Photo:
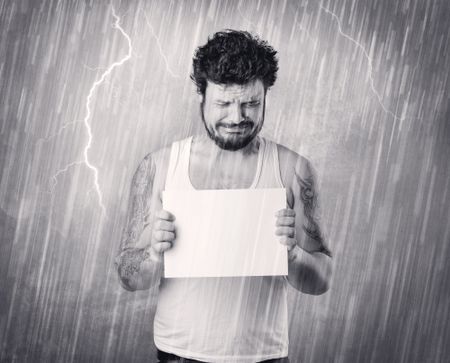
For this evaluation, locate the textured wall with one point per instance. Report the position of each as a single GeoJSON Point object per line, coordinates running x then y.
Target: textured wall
{"type": "Point", "coordinates": [362, 91]}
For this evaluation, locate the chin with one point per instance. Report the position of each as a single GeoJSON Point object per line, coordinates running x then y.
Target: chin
{"type": "Point", "coordinates": [232, 143]}
{"type": "Point", "coordinates": [230, 146]}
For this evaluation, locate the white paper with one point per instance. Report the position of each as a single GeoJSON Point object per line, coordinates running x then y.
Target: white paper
{"type": "Point", "coordinates": [225, 233]}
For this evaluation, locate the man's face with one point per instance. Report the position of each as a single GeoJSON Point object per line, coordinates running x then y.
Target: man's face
{"type": "Point", "coordinates": [233, 114]}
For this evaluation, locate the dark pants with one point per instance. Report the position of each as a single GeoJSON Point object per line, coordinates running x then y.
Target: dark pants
{"type": "Point", "coordinates": [164, 357]}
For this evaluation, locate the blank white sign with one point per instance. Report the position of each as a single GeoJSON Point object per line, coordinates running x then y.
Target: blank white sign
{"type": "Point", "coordinates": [223, 233]}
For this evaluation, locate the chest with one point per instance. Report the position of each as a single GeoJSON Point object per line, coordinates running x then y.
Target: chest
{"type": "Point", "coordinates": [237, 174]}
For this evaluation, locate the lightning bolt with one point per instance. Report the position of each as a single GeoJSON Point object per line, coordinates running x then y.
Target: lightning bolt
{"type": "Point", "coordinates": [93, 68]}
{"type": "Point", "coordinates": [369, 62]}
{"type": "Point", "coordinates": [158, 43]}
{"type": "Point", "coordinates": [62, 171]}
{"type": "Point", "coordinates": [86, 161]}
{"type": "Point", "coordinates": [57, 133]}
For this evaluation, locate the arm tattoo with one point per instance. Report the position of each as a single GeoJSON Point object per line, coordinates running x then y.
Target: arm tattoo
{"type": "Point", "coordinates": [308, 198]}
{"type": "Point", "coordinates": [129, 260]}
{"type": "Point", "coordinates": [129, 263]}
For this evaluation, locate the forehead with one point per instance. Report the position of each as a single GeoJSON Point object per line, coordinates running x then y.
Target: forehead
{"type": "Point", "coordinates": [253, 89]}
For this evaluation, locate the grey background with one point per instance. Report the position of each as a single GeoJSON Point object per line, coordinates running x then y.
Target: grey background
{"type": "Point", "coordinates": [363, 94]}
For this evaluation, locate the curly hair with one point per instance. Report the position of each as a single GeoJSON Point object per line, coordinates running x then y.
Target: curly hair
{"type": "Point", "coordinates": [234, 57]}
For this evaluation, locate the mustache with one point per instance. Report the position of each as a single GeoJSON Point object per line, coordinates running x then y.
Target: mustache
{"type": "Point", "coordinates": [241, 125]}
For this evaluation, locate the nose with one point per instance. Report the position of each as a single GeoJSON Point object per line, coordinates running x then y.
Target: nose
{"type": "Point", "coordinates": [236, 115]}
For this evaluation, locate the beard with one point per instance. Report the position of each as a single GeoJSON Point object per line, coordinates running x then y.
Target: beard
{"type": "Point", "coordinates": [234, 141]}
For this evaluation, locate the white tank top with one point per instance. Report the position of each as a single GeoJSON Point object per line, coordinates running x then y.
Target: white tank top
{"type": "Point", "coordinates": [228, 319]}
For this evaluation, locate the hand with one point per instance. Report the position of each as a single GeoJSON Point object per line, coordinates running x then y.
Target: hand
{"type": "Point", "coordinates": [163, 234]}
{"type": "Point", "coordinates": [285, 224]}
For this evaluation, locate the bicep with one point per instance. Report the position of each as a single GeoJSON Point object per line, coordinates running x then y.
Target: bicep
{"type": "Point", "coordinates": [310, 234]}
{"type": "Point", "coordinates": [139, 204]}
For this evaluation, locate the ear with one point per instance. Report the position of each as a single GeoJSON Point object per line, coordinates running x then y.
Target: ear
{"type": "Point", "coordinates": [200, 97]}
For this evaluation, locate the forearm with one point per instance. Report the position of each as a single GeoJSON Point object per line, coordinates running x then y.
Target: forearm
{"type": "Point", "coordinates": [137, 271]}
{"type": "Point", "coordinates": [309, 272]}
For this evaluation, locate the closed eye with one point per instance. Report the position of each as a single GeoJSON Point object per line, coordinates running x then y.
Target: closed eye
{"type": "Point", "coordinates": [222, 104]}
{"type": "Point", "coordinates": [252, 104]}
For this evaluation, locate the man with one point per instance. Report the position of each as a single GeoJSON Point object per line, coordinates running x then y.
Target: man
{"type": "Point", "coordinates": [234, 319]}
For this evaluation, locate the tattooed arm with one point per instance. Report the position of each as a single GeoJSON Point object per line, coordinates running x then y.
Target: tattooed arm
{"type": "Point", "coordinates": [309, 267]}
{"type": "Point", "coordinates": [307, 200]}
{"type": "Point", "coordinates": [135, 268]}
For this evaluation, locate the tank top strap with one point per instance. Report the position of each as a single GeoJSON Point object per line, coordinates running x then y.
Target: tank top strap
{"type": "Point", "coordinates": [260, 162]}
{"type": "Point", "coordinates": [276, 163]}
{"type": "Point", "coordinates": [185, 154]}
{"type": "Point", "coordinates": [270, 171]}
{"type": "Point", "coordinates": [173, 161]}
{"type": "Point", "coordinates": [178, 169]}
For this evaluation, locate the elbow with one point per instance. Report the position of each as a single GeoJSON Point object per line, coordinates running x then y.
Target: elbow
{"type": "Point", "coordinates": [135, 272]}
{"type": "Point", "coordinates": [314, 280]}
{"type": "Point", "coordinates": [126, 277]}
{"type": "Point", "coordinates": [126, 283]}
{"type": "Point", "coordinates": [124, 280]}
{"type": "Point", "coordinates": [323, 277]}
{"type": "Point", "coordinates": [316, 287]}
{"type": "Point", "coordinates": [320, 287]}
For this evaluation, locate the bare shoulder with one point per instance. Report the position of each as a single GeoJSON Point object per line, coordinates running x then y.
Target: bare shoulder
{"type": "Point", "coordinates": [161, 158]}
{"type": "Point", "coordinates": [157, 160]}
{"type": "Point", "coordinates": [151, 171]}
{"type": "Point", "coordinates": [291, 164]}
{"type": "Point", "coordinates": [146, 168]}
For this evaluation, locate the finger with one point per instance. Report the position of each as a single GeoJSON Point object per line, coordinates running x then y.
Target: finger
{"type": "Point", "coordinates": [285, 231]}
{"type": "Point", "coordinates": [163, 214]}
{"type": "Point", "coordinates": [161, 247]}
{"type": "Point", "coordinates": [287, 212]}
{"type": "Point", "coordinates": [164, 225]}
{"type": "Point", "coordinates": [163, 236]}
{"type": "Point", "coordinates": [285, 221]}
{"type": "Point", "coordinates": [287, 241]}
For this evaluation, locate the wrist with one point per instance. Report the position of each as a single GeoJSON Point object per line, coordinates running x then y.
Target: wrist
{"type": "Point", "coordinates": [294, 253]}
{"type": "Point", "coordinates": [153, 256]}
